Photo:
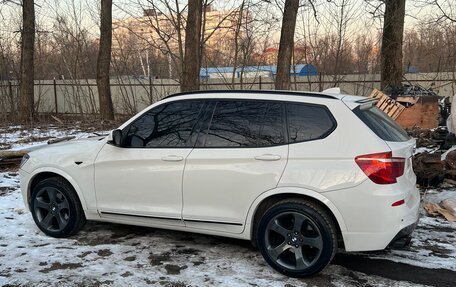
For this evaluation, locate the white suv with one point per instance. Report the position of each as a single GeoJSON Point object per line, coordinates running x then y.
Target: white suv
{"type": "Point", "coordinates": [298, 174]}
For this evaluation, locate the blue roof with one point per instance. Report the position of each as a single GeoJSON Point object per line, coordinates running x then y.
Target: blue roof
{"type": "Point", "coordinates": [412, 70]}
{"type": "Point", "coordinates": [300, 70]}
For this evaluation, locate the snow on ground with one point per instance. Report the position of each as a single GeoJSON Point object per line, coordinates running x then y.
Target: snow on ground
{"type": "Point", "coordinates": [434, 240]}
{"type": "Point", "coordinates": [105, 254]}
{"type": "Point", "coordinates": [17, 137]}
{"type": "Point", "coordinates": [425, 149]}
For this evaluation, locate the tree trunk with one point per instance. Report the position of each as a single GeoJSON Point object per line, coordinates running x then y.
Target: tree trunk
{"type": "Point", "coordinates": [282, 81]}
{"type": "Point", "coordinates": [104, 61]}
{"type": "Point", "coordinates": [391, 51]}
{"type": "Point", "coordinates": [26, 104]}
{"type": "Point", "coordinates": [192, 61]}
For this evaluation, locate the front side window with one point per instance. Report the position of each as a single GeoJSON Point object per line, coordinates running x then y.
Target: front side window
{"type": "Point", "coordinates": [308, 122]}
{"type": "Point", "coordinates": [240, 123]}
{"type": "Point", "coordinates": [166, 126]}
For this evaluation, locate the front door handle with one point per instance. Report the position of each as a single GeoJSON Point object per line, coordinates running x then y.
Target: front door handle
{"type": "Point", "coordinates": [172, 158]}
{"type": "Point", "coordinates": [268, 157]}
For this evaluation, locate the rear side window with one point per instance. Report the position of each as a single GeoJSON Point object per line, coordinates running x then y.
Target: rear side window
{"type": "Point", "coordinates": [246, 124]}
{"type": "Point", "coordinates": [308, 122]}
{"type": "Point", "coordinates": [381, 124]}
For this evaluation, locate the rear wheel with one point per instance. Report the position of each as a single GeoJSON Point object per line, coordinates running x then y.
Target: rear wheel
{"type": "Point", "coordinates": [56, 209]}
{"type": "Point", "coordinates": [297, 238]}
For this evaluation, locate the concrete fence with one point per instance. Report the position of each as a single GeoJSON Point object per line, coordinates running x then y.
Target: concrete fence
{"type": "Point", "coordinates": [131, 95]}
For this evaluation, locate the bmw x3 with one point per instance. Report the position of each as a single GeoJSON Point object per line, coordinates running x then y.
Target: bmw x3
{"type": "Point", "coordinates": [299, 174]}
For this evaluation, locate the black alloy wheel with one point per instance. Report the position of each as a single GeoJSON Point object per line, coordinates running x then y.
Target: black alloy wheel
{"type": "Point", "coordinates": [297, 238]}
{"type": "Point", "coordinates": [56, 208]}
{"type": "Point", "coordinates": [52, 209]}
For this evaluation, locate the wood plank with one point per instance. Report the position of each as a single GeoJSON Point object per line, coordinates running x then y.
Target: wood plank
{"type": "Point", "coordinates": [399, 112]}
{"type": "Point", "coordinates": [391, 107]}
{"type": "Point", "coordinates": [393, 110]}
{"type": "Point", "coordinates": [12, 153]}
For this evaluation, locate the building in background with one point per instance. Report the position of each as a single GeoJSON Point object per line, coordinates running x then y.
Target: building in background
{"type": "Point", "coordinates": [270, 54]}
{"type": "Point", "coordinates": [157, 40]}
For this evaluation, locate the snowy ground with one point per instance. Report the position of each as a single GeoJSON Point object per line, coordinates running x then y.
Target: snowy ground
{"type": "Point", "coordinates": [116, 255]}
{"type": "Point", "coordinates": [17, 137]}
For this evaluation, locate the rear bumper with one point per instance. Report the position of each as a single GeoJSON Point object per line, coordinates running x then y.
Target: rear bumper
{"type": "Point", "coordinates": [403, 237]}
{"type": "Point", "coordinates": [372, 223]}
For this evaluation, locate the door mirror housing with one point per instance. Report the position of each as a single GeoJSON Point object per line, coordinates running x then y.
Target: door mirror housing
{"type": "Point", "coordinates": [117, 138]}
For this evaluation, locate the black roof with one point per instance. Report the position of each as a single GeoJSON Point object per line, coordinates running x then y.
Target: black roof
{"type": "Point", "coordinates": [272, 92]}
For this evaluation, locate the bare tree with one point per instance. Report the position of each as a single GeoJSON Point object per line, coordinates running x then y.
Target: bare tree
{"type": "Point", "coordinates": [27, 109]}
{"type": "Point", "coordinates": [446, 10]}
{"type": "Point", "coordinates": [391, 50]}
{"type": "Point", "coordinates": [282, 81]}
{"type": "Point", "coordinates": [239, 39]}
{"type": "Point", "coordinates": [104, 61]}
{"type": "Point", "coordinates": [338, 18]}
{"type": "Point", "coordinates": [363, 54]}
{"type": "Point", "coordinates": [192, 61]}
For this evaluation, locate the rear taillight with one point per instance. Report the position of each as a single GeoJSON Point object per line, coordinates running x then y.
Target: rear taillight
{"type": "Point", "coordinates": [381, 168]}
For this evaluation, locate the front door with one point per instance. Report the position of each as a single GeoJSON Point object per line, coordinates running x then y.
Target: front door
{"type": "Point", "coordinates": [143, 178]}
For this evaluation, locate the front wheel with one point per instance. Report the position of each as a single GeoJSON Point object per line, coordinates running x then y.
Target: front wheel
{"type": "Point", "coordinates": [297, 238]}
{"type": "Point", "coordinates": [56, 208]}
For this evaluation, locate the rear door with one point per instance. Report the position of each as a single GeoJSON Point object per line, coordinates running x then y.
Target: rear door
{"type": "Point", "coordinates": [240, 154]}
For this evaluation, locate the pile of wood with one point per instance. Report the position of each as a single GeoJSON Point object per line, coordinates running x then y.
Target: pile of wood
{"type": "Point", "coordinates": [11, 158]}
{"type": "Point", "coordinates": [446, 208]}
{"type": "Point", "coordinates": [415, 107]}
{"type": "Point", "coordinates": [435, 138]}
{"type": "Point", "coordinates": [390, 106]}
{"type": "Point", "coordinates": [431, 170]}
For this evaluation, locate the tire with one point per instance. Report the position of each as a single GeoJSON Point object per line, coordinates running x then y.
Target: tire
{"type": "Point", "coordinates": [56, 208]}
{"type": "Point", "coordinates": [297, 238]}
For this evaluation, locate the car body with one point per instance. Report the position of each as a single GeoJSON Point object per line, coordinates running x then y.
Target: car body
{"type": "Point", "coordinates": [231, 163]}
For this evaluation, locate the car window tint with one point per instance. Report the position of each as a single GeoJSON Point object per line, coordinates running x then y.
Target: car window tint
{"type": "Point", "coordinates": [245, 124]}
{"type": "Point", "coordinates": [168, 125]}
{"type": "Point", "coordinates": [381, 124]}
{"type": "Point", "coordinates": [308, 122]}
{"type": "Point", "coordinates": [272, 126]}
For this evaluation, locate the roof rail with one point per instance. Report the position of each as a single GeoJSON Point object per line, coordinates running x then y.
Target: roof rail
{"type": "Point", "coordinates": [273, 92]}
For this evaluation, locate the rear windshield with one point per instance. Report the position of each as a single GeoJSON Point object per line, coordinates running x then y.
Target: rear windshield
{"type": "Point", "coordinates": [381, 124]}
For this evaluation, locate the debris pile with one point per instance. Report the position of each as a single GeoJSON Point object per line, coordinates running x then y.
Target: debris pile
{"type": "Point", "coordinates": [429, 169]}
{"type": "Point", "coordinates": [434, 160]}
{"type": "Point", "coordinates": [427, 138]}
{"type": "Point", "coordinates": [446, 208]}
{"type": "Point", "coordinates": [11, 159]}
{"type": "Point", "coordinates": [410, 106]}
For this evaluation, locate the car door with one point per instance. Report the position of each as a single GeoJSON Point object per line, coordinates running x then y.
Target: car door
{"type": "Point", "coordinates": [241, 154]}
{"type": "Point", "coordinates": [142, 180]}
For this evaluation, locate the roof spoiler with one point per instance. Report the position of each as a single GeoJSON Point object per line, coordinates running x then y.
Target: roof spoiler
{"type": "Point", "coordinates": [366, 103]}
{"type": "Point", "coordinates": [335, 90]}
{"type": "Point", "coordinates": [366, 100]}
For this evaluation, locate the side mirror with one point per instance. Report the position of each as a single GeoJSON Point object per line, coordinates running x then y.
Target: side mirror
{"type": "Point", "coordinates": [117, 138]}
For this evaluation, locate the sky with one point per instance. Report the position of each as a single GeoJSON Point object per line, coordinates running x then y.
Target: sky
{"type": "Point", "coordinates": [85, 13]}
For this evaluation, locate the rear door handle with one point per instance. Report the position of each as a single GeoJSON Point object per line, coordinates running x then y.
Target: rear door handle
{"type": "Point", "coordinates": [268, 157]}
{"type": "Point", "coordinates": [172, 158]}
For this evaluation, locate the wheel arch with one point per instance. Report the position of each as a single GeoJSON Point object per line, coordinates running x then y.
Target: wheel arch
{"type": "Point", "coordinates": [269, 198]}
{"type": "Point", "coordinates": [42, 174]}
